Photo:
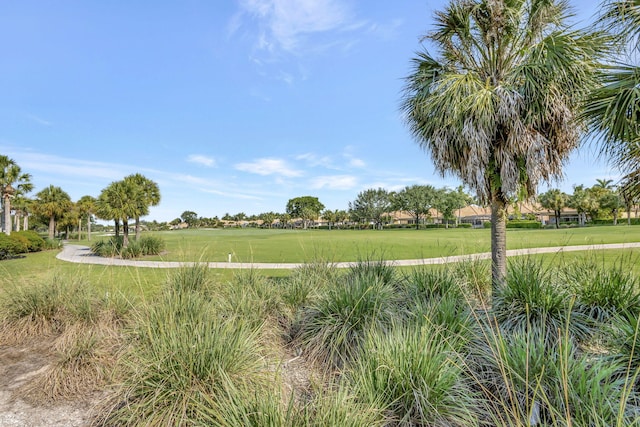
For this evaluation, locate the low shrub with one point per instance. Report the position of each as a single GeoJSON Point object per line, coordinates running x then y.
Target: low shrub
{"type": "Point", "coordinates": [147, 245]}
{"type": "Point", "coordinates": [50, 244]}
{"type": "Point", "coordinates": [523, 224]}
{"type": "Point", "coordinates": [11, 246]}
{"type": "Point", "coordinates": [35, 242]}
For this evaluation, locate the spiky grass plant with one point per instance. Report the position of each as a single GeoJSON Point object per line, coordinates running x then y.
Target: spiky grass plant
{"type": "Point", "coordinates": [531, 299]}
{"type": "Point", "coordinates": [371, 267]}
{"type": "Point", "coordinates": [47, 307]}
{"type": "Point", "coordinates": [332, 328]}
{"type": "Point", "coordinates": [623, 340]}
{"type": "Point", "coordinates": [475, 276]}
{"type": "Point", "coordinates": [83, 360]}
{"type": "Point", "coordinates": [416, 376]}
{"type": "Point", "coordinates": [604, 292]}
{"type": "Point", "coordinates": [183, 356]}
{"type": "Point", "coordinates": [525, 381]}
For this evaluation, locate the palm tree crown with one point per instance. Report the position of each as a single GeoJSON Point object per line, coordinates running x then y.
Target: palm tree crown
{"type": "Point", "coordinates": [52, 202]}
{"type": "Point", "coordinates": [498, 107]}
{"type": "Point", "coordinates": [12, 181]}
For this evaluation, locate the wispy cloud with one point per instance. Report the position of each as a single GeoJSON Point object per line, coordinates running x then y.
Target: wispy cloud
{"type": "Point", "coordinates": [334, 182]}
{"type": "Point", "coordinates": [314, 160]}
{"type": "Point", "coordinates": [63, 166]}
{"type": "Point", "coordinates": [202, 160]}
{"type": "Point", "coordinates": [269, 166]}
{"type": "Point", "coordinates": [39, 120]}
{"type": "Point", "coordinates": [284, 24]}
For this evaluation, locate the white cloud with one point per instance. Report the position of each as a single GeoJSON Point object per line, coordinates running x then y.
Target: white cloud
{"type": "Point", "coordinates": [203, 160]}
{"type": "Point", "coordinates": [285, 23]}
{"type": "Point", "coordinates": [334, 182]}
{"type": "Point", "coordinates": [357, 163]}
{"type": "Point", "coordinates": [269, 167]}
{"type": "Point", "coordinates": [313, 160]}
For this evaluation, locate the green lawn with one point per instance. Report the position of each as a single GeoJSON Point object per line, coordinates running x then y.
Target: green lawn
{"type": "Point", "coordinates": [304, 246]}
{"type": "Point", "coordinates": [257, 245]}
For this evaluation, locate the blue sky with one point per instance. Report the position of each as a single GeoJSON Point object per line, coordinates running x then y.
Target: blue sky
{"type": "Point", "coordinates": [230, 106]}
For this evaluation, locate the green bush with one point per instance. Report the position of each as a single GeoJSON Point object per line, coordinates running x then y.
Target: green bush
{"type": "Point", "coordinates": [147, 245]}
{"type": "Point", "coordinates": [35, 242]}
{"type": "Point", "coordinates": [151, 245]}
{"type": "Point", "coordinates": [10, 246]}
{"type": "Point", "coordinates": [50, 244]}
{"type": "Point", "coordinates": [524, 224]}
{"type": "Point", "coordinates": [464, 225]}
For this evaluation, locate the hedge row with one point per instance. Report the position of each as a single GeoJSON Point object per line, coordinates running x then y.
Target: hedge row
{"type": "Point", "coordinates": [20, 242]}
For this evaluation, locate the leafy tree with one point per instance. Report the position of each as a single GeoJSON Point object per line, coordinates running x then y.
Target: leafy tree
{"type": "Point", "coordinates": [341, 216]}
{"type": "Point", "coordinates": [449, 201]}
{"type": "Point", "coordinates": [416, 200]}
{"type": "Point", "coordinates": [52, 203]}
{"type": "Point", "coordinates": [554, 200]}
{"type": "Point", "coordinates": [329, 216]}
{"type": "Point", "coordinates": [306, 208]}
{"type": "Point", "coordinates": [499, 107]}
{"type": "Point", "coordinates": [268, 218]}
{"type": "Point", "coordinates": [611, 202]}
{"type": "Point", "coordinates": [285, 219]}
{"type": "Point", "coordinates": [87, 208]}
{"type": "Point", "coordinates": [371, 205]}
{"type": "Point", "coordinates": [12, 181]}
{"type": "Point", "coordinates": [147, 194]}
{"type": "Point", "coordinates": [190, 218]}
{"type": "Point", "coordinates": [583, 202]}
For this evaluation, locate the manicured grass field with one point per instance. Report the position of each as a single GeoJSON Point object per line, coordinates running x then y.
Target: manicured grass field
{"type": "Point", "coordinates": [258, 245]}
{"type": "Point", "coordinates": [312, 245]}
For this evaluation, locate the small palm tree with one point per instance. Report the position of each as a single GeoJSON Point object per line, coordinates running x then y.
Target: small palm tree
{"type": "Point", "coordinates": [87, 207]}
{"type": "Point", "coordinates": [12, 182]}
{"type": "Point", "coordinates": [499, 107]}
{"type": "Point", "coordinates": [52, 202]}
{"type": "Point", "coordinates": [119, 202]}
{"type": "Point", "coordinates": [148, 194]}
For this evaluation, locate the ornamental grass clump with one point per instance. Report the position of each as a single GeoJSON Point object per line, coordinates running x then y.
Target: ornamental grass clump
{"type": "Point", "coordinates": [604, 292]}
{"type": "Point", "coordinates": [184, 356]}
{"type": "Point", "coordinates": [532, 299]}
{"type": "Point", "coordinates": [416, 376]}
{"type": "Point", "coordinates": [526, 382]}
{"type": "Point", "coordinates": [332, 328]}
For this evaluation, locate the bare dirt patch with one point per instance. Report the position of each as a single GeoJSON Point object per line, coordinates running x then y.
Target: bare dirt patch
{"type": "Point", "coordinates": [20, 364]}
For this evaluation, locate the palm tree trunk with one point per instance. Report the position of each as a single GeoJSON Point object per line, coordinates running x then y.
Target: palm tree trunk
{"type": "Point", "coordinates": [17, 220]}
{"type": "Point", "coordinates": [498, 242]}
{"type": "Point", "coordinates": [125, 233]}
{"type": "Point", "coordinates": [7, 214]}
{"type": "Point", "coordinates": [557, 215]}
{"type": "Point", "coordinates": [25, 224]}
{"type": "Point", "coordinates": [117, 227]}
{"type": "Point", "coordinates": [89, 227]}
{"type": "Point", "coordinates": [79, 229]}
{"type": "Point", "coordinates": [137, 228]}
{"type": "Point", "coordinates": [52, 226]}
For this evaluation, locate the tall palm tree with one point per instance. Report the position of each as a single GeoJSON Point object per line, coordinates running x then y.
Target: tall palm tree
{"type": "Point", "coordinates": [87, 207]}
{"type": "Point", "coordinates": [12, 181]}
{"type": "Point", "coordinates": [119, 202]}
{"type": "Point", "coordinates": [148, 194]}
{"type": "Point", "coordinates": [498, 107]}
{"type": "Point", "coordinates": [52, 202]}
{"type": "Point", "coordinates": [613, 109]}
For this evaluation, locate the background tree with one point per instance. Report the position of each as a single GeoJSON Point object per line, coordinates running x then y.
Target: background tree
{"type": "Point", "coordinates": [371, 205]}
{"type": "Point", "coordinates": [268, 218]}
{"type": "Point", "coordinates": [52, 203]}
{"type": "Point", "coordinates": [190, 217]}
{"type": "Point", "coordinates": [554, 200]}
{"type": "Point", "coordinates": [449, 201]}
{"type": "Point", "coordinates": [611, 203]}
{"type": "Point", "coordinates": [306, 208]}
{"type": "Point", "coordinates": [285, 220]}
{"type": "Point", "coordinates": [119, 202]}
{"type": "Point", "coordinates": [147, 194]}
{"type": "Point", "coordinates": [342, 216]}
{"type": "Point", "coordinates": [329, 216]}
{"type": "Point", "coordinates": [499, 107]}
{"type": "Point", "coordinates": [12, 181]}
{"type": "Point", "coordinates": [87, 208]}
{"type": "Point", "coordinates": [416, 200]}
{"type": "Point", "coordinates": [583, 202]}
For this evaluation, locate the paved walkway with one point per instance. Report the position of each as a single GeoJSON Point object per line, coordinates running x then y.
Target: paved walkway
{"type": "Point", "coordinates": [82, 255]}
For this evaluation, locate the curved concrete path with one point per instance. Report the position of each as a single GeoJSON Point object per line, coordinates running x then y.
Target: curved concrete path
{"type": "Point", "coordinates": [82, 255]}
